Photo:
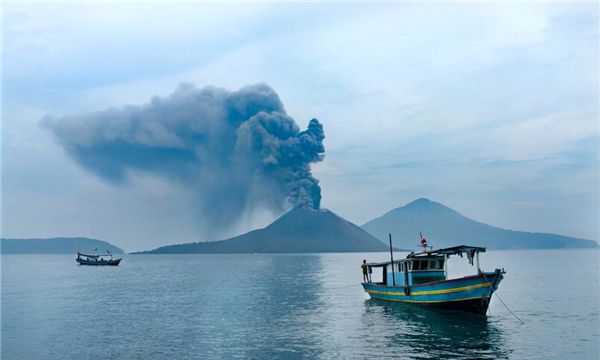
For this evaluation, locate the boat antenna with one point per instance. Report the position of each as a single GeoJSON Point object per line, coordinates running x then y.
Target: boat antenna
{"type": "Point", "coordinates": [392, 257]}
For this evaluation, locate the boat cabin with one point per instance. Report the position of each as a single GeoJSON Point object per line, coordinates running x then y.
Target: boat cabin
{"type": "Point", "coordinates": [423, 267]}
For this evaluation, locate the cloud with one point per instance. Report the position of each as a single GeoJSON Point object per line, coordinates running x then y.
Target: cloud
{"type": "Point", "coordinates": [440, 89]}
{"type": "Point", "coordinates": [235, 151]}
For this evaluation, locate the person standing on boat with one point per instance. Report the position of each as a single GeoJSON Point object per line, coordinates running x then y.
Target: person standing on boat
{"type": "Point", "coordinates": [365, 271]}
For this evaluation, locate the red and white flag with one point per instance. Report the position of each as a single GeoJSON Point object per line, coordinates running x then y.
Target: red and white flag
{"type": "Point", "coordinates": [423, 240]}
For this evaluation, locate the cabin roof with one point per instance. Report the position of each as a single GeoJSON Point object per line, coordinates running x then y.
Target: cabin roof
{"type": "Point", "coordinates": [94, 256]}
{"type": "Point", "coordinates": [455, 250]}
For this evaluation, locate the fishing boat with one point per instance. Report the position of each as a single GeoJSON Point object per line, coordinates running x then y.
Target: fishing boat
{"type": "Point", "coordinates": [97, 260]}
{"type": "Point", "coordinates": [422, 278]}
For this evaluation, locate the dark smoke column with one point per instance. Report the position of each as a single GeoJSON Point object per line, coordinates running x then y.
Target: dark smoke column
{"type": "Point", "coordinates": [311, 143]}
{"type": "Point", "coordinates": [234, 151]}
{"type": "Point", "coordinates": [285, 154]}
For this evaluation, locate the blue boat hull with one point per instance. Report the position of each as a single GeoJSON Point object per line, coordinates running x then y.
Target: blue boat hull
{"type": "Point", "coordinates": [472, 293]}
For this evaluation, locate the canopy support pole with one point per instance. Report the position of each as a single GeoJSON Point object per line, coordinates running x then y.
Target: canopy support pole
{"type": "Point", "coordinates": [446, 257]}
{"type": "Point", "coordinates": [392, 257]}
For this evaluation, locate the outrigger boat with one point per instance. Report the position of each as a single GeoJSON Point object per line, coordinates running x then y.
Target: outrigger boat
{"type": "Point", "coordinates": [97, 260]}
{"type": "Point", "coordinates": [422, 278]}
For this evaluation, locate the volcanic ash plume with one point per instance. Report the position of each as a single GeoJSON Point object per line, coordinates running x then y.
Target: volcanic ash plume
{"type": "Point", "coordinates": [234, 150]}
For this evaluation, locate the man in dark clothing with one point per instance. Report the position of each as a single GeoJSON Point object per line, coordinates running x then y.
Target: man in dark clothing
{"type": "Point", "coordinates": [365, 271]}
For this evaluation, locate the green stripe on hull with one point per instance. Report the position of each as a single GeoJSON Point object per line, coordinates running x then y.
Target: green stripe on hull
{"type": "Point", "coordinates": [423, 301]}
{"type": "Point", "coordinates": [470, 294]}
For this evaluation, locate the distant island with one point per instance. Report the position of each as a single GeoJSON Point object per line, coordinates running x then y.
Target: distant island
{"type": "Point", "coordinates": [303, 230]}
{"type": "Point", "coordinates": [444, 227]}
{"type": "Point", "coordinates": [300, 230]}
{"type": "Point", "coordinates": [58, 245]}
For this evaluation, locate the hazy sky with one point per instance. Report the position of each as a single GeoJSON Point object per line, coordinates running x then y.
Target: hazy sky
{"type": "Point", "coordinates": [489, 108]}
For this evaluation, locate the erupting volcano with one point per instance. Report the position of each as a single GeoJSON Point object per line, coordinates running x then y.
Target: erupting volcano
{"type": "Point", "coordinates": [300, 230]}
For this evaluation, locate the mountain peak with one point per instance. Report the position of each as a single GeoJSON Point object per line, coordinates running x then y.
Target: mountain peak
{"type": "Point", "coordinates": [420, 202]}
{"type": "Point", "coordinates": [300, 217]}
{"type": "Point", "coordinates": [421, 206]}
{"type": "Point", "coordinates": [307, 209]}
{"type": "Point", "coordinates": [445, 227]}
{"type": "Point", "coordinates": [424, 203]}
{"type": "Point", "coordinates": [300, 211]}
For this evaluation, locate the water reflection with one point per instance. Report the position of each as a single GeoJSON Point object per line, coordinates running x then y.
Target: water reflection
{"type": "Point", "coordinates": [419, 332]}
{"type": "Point", "coordinates": [284, 305]}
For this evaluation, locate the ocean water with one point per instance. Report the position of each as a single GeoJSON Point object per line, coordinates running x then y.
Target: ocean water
{"type": "Point", "coordinates": [290, 307]}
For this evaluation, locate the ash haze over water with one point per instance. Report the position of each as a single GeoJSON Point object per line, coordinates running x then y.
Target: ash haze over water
{"type": "Point", "coordinates": [233, 151]}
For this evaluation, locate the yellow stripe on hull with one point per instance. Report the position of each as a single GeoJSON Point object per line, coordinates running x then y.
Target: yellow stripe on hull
{"type": "Point", "coordinates": [429, 301]}
{"type": "Point", "coordinates": [430, 292]}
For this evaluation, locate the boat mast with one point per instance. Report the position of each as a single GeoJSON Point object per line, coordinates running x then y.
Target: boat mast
{"type": "Point", "coordinates": [392, 257]}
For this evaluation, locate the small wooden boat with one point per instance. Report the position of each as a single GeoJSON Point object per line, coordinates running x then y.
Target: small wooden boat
{"type": "Point", "coordinates": [422, 278]}
{"type": "Point", "coordinates": [97, 260]}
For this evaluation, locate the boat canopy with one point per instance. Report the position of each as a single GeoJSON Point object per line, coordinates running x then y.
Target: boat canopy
{"type": "Point", "coordinates": [381, 264]}
{"type": "Point", "coordinates": [455, 250]}
{"type": "Point", "coordinates": [93, 256]}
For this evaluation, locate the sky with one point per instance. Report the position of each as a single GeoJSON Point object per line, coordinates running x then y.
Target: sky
{"type": "Point", "coordinates": [489, 108]}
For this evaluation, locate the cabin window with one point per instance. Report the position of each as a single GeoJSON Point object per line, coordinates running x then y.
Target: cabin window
{"type": "Point", "coordinates": [424, 265]}
{"type": "Point", "coordinates": [436, 264]}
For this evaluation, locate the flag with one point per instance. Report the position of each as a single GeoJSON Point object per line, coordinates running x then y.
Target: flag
{"type": "Point", "coordinates": [423, 240]}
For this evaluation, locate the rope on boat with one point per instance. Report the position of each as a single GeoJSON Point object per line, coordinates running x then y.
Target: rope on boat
{"type": "Point", "coordinates": [499, 298]}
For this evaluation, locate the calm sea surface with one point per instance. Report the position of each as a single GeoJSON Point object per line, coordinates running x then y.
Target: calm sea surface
{"type": "Point", "coordinates": [288, 306]}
